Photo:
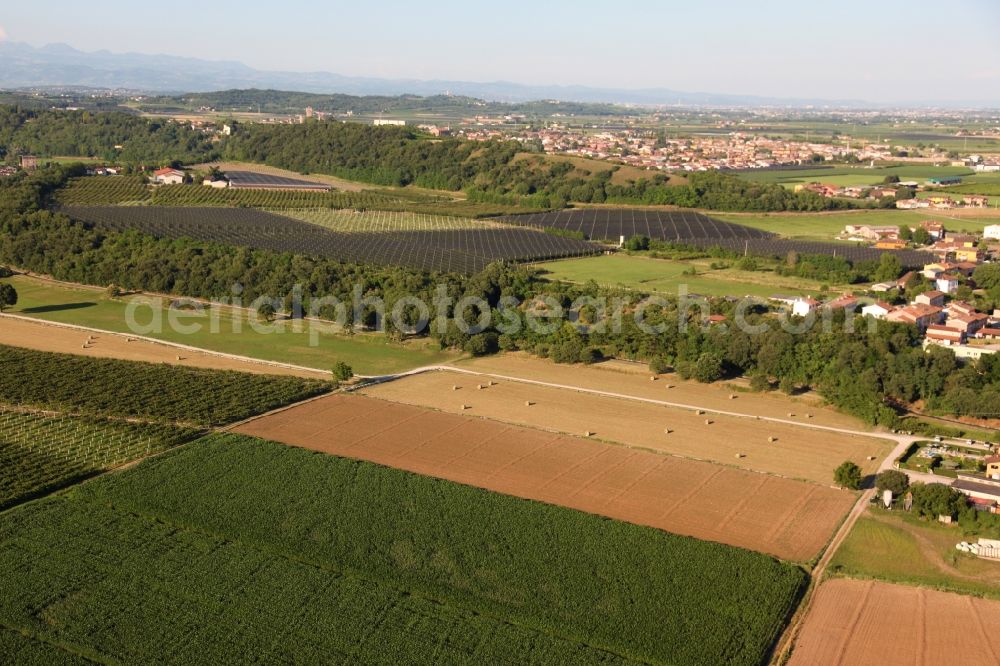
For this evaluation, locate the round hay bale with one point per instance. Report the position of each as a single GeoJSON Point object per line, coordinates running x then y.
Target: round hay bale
{"type": "Point", "coordinates": [528, 403]}
{"type": "Point", "coordinates": [809, 416]}
{"type": "Point", "coordinates": [652, 378]}
{"type": "Point", "coordinates": [479, 386]}
{"type": "Point", "coordinates": [465, 406]}
{"type": "Point", "coordinates": [667, 431]}
{"type": "Point", "coordinates": [871, 458]}
{"type": "Point", "coordinates": [708, 421]}
{"type": "Point", "coordinates": [670, 386]}
{"type": "Point", "coordinates": [740, 455]}
{"type": "Point", "coordinates": [772, 439]}
{"type": "Point", "coordinates": [732, 396]}
{"type": "Point", "coordinates": [180, 358]}
{"type": "Point", "coordinates": [587, 433]}
{"type": "Point", "coordinates": [699, 412]}
{"type": "Point", "coordinates": [791, 414]}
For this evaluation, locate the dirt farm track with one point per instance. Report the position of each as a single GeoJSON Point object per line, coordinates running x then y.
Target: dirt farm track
{"type": "Point", "coordinates": [865, 622]}
{"type": "Point", "coordinates": [790, 519]}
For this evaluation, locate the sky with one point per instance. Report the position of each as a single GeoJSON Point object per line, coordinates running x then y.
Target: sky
{"type": "Point", "coordinates": [888, 51]}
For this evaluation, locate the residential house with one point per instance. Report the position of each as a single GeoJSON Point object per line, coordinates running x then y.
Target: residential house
{"type": "Point", "coordinates": [933, 297]}
{"type": "Point", "coordinates": [944, 335]}
{"type": "Point", "coordinates": [803, 306]}
{"type": "Point", "coordinates": [168, 176]}
{"type": "Point", "coordinates": [948, 283]}
{"type": "Point", "coordinates": [877, 310]}
{"type": "Point", "coordinates": [967, 323]}
{"type": "Point", "coordinates": [961, 307]}
{"type": "Point", "coordinates": [988, 333]}
{"type": "Point", "coordinates": [901, 282]}
{"type": "Point", "coordinates": [976, 201]}
{"type": "Point", "coordinates": [934, 228]}
{"type": "Point", "coordinates": [993, 467]}
{"type": "Point", "coordinates": [992, 231]}
{"type": "Point", "coordinates": [846, 303]}
{"type": "Point", "coordinates": [917, 314]}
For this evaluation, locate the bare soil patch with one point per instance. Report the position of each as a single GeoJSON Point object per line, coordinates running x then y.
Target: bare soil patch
{"type": "Point", "coordinates": [867, 622]}
{"type": "Point", "coordinates": [790, 519]}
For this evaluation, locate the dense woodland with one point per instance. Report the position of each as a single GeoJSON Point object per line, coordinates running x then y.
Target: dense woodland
{"type": "Point", "coordinates": [487, 172]}
{"type": "Point", "coordinates": [288, 102]}
{"type": "Point", "coordinates": [863, 372]}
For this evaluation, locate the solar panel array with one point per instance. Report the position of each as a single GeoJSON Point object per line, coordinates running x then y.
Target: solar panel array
{"type": "Point", "coordinates": [459, 250]}
{"type": "Point", "coordinates": [253, 179]}
{"type": "Point", "coordinates": [612, 223]}
{"type": "Point", "coordinates": [699, 230]}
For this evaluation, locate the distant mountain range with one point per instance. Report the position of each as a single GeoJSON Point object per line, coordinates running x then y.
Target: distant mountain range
{"type": "Point", "coordinates": [26, 66]}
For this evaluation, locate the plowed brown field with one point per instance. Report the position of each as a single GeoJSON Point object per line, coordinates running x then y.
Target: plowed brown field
{"type": "Point", "coordinates": [865, 622]}
{"type": "Point", "coordinates": [783, 517]}
{"type": "Point", "coordinates": [798, 452]}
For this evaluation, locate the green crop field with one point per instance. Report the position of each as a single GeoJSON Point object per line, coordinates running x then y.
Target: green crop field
{"type": "Point", "coordinates": [825, 226]}
{"type": "Point", "coordinates": [130, 191]}
{"type": "Point", "coordinates": [40, 452]}
{"type": "Point", "coordinates": [375, 221]}
{"type": "Point", "coordinates": [665, 276]}
{"type": "Point", "coordinates": [18, 648]}
{"type": "Point", "coordinates": [104, 190]}
{"type": "Point", "coordinates": [366, 353]}
{"type": "Point", "coordinates": [231, 548]}
{"type": "Point", "coordinates": [901, 548]}
{"type": "Point", "coordinates": [109, 387]}
{"type": "Point", "coordinates": [848, 175]}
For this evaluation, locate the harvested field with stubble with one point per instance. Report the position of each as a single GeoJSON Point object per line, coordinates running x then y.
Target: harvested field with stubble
{"type": "Point", "coordinates": [866, 622]}
{"type": "Point", "coordinates": [632, 379]}
{"type": "Point", "coordinates": [790, 519]}
{"type": "Point", "coordinates": [797, 452]}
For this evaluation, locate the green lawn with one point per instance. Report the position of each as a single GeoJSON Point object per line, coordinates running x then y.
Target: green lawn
{"type": "Point", "coordinates": [368, 354]}
{"type": "Point", "coordinates": [899, 548]}
{"type": "Point", "coordinates": [825, 226]}
{"type": "Point", "coordinates": [854, 175]}
{"type": "Point", "coordinates": [665, 276]}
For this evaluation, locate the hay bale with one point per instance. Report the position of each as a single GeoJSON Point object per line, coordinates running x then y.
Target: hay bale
{"type": "Point", "coordinates": [667, 431]}
{"type": "Point", "coordinates": [870, 458]}
{"type": "Point", "coordinates": [699, 412]}
{"type": "Point", "coordinates": [479, 386]}
{"type": "Point", "coordinates": [528, 403]}
{"type": "Point", "coordinates": [454, 387]}
{"type": "Point", "coordinates": [740, 455]}
{"type": "Point", "coordinates": [180, 358]}
{"type": "Point", "coordinates": [772, 439]}
{"type": "Point", "coordinates": [708, 421]}
{"type": "Point", "coordinates": [465, 407]}
{"type": "Point", "coordinates": [670, 386]}
{"type": "Point", "coordinates": [791, 414]}
{"type": "Point", "coordinates": [809, 416]}
{"type": "Point", "coordinates": [652, 378]}
{"type": "Point", "coordinates": [587, 433]}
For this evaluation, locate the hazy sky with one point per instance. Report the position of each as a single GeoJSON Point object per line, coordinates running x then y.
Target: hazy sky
{"type": "Point", "coordinates": [883, 51]}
